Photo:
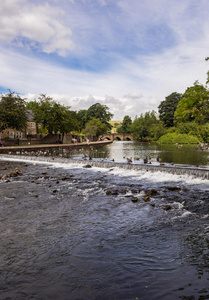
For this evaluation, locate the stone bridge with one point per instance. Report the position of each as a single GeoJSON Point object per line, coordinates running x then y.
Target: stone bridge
{"type": "Point", "coordinates": [118, 137]}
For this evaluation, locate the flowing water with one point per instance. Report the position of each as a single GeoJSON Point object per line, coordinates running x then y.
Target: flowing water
{"type": "Point", "coordinates": [69, 232]}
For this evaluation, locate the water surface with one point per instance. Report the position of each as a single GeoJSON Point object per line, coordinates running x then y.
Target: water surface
{"type": "Point", "coordinates": [73, 233]}
{"type": "Point", "coordinates": [184, 155]}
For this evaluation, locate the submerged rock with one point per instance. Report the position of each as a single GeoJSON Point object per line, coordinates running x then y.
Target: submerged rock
{"type": "Point", "coordinates": [173, 188]}
{"type": "Point", "coordinates": [167, 207]}
{"type": "Point", "coordinates": [108, 192]}
{"type": "Point", "coordinates": [87, 166]}
{"type": "Point", "coordinates": [14, 173]}
{"type": "Point", "coordinates": [135, 199]}
{"type": "Point", "coordinates": [152, 192]}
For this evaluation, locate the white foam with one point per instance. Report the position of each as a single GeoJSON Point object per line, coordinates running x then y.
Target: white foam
{"type": "Point", "coordinates": [160, 177]}
{"type": "Point", "coordinates": [145, 175]}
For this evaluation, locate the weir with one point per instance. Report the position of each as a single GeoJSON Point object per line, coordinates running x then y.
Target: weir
{"type": "Point", "coordinates": [194, 172]}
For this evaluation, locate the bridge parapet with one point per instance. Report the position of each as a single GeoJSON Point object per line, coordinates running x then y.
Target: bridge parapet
{"type": "Point", "coordinates": [118, 136]}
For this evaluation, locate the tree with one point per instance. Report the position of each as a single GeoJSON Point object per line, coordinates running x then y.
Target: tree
{"type": "Point", "coordinates": [13, 112]}
{"type": "Point", "coordinates": [95, 127]}
{"type": "Point", "coordinates": [147, 127]}
{"type": "Point", "coordinates": [207, 81]}
{"type": "Point", "coordinates": [126, 125]}
{"type": "Point", "coordinates": [167, 109]}
{"type": "Point", "coordinates": [101, 112]}
{"type": "Point", "coordinates": [82, 119]}
{"type": "Point", "coordinates": [54, 117]}
{"type": "Point", "coordinates": [194, 105]}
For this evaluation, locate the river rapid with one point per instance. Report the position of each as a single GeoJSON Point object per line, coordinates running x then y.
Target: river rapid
{"type": "Point", "coordinates": [69, 232]}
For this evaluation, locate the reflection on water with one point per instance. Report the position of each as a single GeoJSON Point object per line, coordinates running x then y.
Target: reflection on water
{"type": "Point", "coordinates": [172, 154]}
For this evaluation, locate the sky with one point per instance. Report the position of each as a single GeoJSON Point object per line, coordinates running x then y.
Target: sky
{"type": "Point", "coordinates": [126, 54]}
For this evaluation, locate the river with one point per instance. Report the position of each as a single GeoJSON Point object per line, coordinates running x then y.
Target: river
{"type": "Point", "coordinates": [184, 155]}
{"type": "Point", "coordinates": [75, 233]}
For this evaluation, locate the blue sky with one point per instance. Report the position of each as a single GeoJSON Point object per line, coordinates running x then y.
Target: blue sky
{"type": "Point", "coordinates": [126, 54]}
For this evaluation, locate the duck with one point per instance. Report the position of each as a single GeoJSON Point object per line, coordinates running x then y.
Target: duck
{"type": "Point", "coordinates": [137, 158]}
{"type": "Point", "coordinates": [129, 160]}
{"type": "Point", "coordinates": [145, 160]}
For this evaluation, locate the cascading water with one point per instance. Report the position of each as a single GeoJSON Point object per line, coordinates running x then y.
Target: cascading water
{"type": "Point", "coordinates": [191, 171]}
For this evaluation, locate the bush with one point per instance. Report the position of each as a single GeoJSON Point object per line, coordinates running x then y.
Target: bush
{"type": "Point", "coordinates": [177, 138]}
{"type": "Point", "coordinates": [188, 128]}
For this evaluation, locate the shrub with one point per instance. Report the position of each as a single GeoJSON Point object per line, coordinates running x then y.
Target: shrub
{"type": "Point", "coordinates": [203, 132]}
{"type": "Point", "coordinates": [177, 138]}
{"type": "Point", "coordinates": [188, 128]}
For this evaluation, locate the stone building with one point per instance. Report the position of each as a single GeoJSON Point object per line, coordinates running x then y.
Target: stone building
{"type": "Point", "coordinates": [12, 134]}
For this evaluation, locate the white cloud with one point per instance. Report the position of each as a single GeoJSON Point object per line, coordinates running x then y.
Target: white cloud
{"type": "Point", "coordinates": [40, 24]}
{"type": "Point", "coordinates": [116, 39]}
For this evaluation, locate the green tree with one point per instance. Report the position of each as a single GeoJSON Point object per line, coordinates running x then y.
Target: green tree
{"type": "Point", "coordinates": [194, 105]}
{"type": "Point", "coordinates": [126, 125]}
{"type": "Point", "coordinates": [207, 81]}
{"type": "Point", "coordinates": [82, 119]}
{"type": "Point", "coordinates": [147, 127]}
{"type": "Point", "coordinates": [54, 117]}
{"type": "Point", "coordinates": [167, 108]}
{"type": "Point", "coordinates": [94, 128]}
{"type": "Point", "coordinates": [101, 112]}
{"type": "Point", "coordinates": [13, 112]}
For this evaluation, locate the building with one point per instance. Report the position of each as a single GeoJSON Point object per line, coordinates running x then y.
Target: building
{"type": "Point", "coordinates": [29, 131]}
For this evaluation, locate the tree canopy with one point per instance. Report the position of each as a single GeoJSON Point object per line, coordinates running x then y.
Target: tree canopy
{"type": "Point", "coordinates": [147, 127]}
{"type": "Point", "coordinates": [194, 105]}
{"type": "Point", "coordinates": [126, 125]}
{"type": "Point", "coordinates": [101, 112]}
{"type": "Point", "coordinates": [54, 117]}
{"type": "Point", "coordinates": [95, 127]}
{"type": "Point", "coordinates": [12, 112]}
{"type": "Point", "coordinates": [168, 107]}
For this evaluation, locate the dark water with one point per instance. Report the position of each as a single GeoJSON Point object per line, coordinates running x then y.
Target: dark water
{"type": "Point", "coordinates": [73, 233]}
{"type": "Point", "coordinates": [175, 154]}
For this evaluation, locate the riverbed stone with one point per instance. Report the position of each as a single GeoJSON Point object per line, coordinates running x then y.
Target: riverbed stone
{"type": "Point", "coordinates": [152, 192]}
{"type": "Point", "coordinates": [173, 188]}
{"type": "Point", "coordinates": [135, 199]}
{"type": "Point", "coordinates": [87, 166]}
{"type": "Point", "coordinates": [167, 207]}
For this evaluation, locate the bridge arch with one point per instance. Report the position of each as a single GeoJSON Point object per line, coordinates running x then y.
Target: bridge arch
{"type": "Point", "coordinates": [117, 137]}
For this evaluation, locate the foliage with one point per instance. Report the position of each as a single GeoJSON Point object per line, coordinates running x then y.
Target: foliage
{"type": "Point", "coordinates": [13, 112]}
{"type": "Point", "coordinates": [194, 105]}
{"type": "Point", "coordinates": [177, 138]}
{"type": "Point", "coordinates": [167, 108]}
{"type": "Point", "coordinates": [147, 127]}
{"type": "Point", "coordinates": [187, 128]}
{"type": "Point", "coordinates": [54, 117]}
{"type": "Point", "coordinates": [192, 128]}
{"type": "Point", "coordinates": [95, 127]}
{"type": "Point", "coordinates": [101, 112]}
{"type": "Point", "coordinates": [158, 130]}
{"type": "Point", "coordinates": [82, 119]}
{"type": "Point", "coordinates": [203, 131]}
{"type": "Point", "coordinates": [125, 126]}
{"type": "Point", "coordinates": [207, 81]}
